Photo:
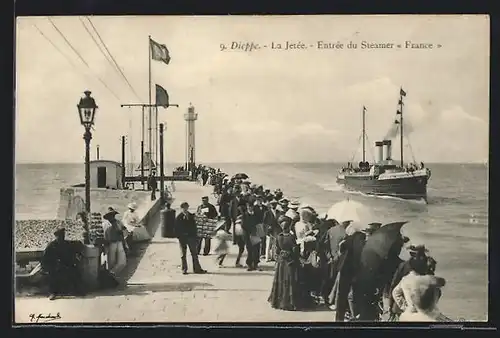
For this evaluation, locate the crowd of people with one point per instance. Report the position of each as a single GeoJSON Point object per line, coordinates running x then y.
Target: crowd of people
{"type": "Point", "coordinates": [318, 259]}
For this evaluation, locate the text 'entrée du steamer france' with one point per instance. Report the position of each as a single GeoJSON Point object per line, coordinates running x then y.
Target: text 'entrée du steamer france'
{"type": "Point", "coordinates": [289, 45]}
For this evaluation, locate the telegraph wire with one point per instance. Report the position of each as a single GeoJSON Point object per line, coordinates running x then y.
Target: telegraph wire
{"type": "Point", "coordinates": [68, 58]}
{"type": "Point", "coordinates": [58, 49]}
{"type": "Point", "coordinates": [95, 41]}
{"type": "Point", "coordinates": [112, 58]}
{"type": "Point", "coordinates": [106, 56]}
{"type": "Point", "coordinates": [69, 44]}
{"type": "Point", "coordinates": [81, 58]}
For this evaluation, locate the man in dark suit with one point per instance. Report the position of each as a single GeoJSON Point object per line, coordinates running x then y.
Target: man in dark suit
{"type": "Point", "coordinates": [152, 185]}
{"type": "Point", "coordinates": [259, 211]}
{"type": "Point", "coordinates": [208, 210]}
{"type": "Point", "coordinates": [273, 229]}
{"type": "Point", "coordinates": [186, 233]}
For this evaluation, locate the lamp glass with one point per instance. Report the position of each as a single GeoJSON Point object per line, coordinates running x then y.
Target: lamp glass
{"type": "Point", "coordinates": [86, 109]}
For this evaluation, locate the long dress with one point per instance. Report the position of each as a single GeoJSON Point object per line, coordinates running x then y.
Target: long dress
{"type": "Point", "coordinates": [288, 291]}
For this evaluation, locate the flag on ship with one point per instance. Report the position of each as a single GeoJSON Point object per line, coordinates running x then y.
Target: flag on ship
{"type": "Point", "coordinates": [159, 52]}
{"type": "Point", "coordinates": [162, 99]}
{"type": "Point", "coordinates": [402, 92]}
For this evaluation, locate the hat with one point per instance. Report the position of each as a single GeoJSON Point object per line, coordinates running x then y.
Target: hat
{"type": "Point", "coordinates": [311, 209]}
{"type": "Point", "coordinates": [184, 205]}
{"type": "Point", "coordinates": [372, 227]}
{"type": "Point", "coordinates": [291, 213]}
{"type": "Point", "coordinates": [294, 205]}
{"type": "Point", "coordinates": [273, 201]}
{"type": "Point", "coordinates": [132, 206]}
{"type": "Point", "coordinates": [204, 198]}
{"type": "Point", "coordinates": [417, 249]}
{"type": "Point", "coordinates": [284, 201]}
{"type": "Point", "coordinates": [61, 230]}
{"type": "Point", "coordinates": [111, 213]}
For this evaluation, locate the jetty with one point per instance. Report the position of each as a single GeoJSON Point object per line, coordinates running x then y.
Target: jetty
{"type": "Point", "coordinates": [156, 290]}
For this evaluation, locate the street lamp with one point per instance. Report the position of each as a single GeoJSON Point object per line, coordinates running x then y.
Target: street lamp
{"type": "Point", "coordinates": [86, 110]}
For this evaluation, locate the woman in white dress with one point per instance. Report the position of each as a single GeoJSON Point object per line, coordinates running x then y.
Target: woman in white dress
{"type": "Point", "coordinates": [131, 220]}
{"type": "Point", "coordinates": [423, 294]}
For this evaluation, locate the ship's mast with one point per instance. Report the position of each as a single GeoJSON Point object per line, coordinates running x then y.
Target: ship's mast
{"type": "Point", "coordinates": [400, 112]}
{"type": "Point", "coordinates": [364, 133]}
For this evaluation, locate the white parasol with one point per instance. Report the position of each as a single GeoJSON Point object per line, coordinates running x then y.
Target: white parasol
{"type": "Point", "coordinates": [349, 210]}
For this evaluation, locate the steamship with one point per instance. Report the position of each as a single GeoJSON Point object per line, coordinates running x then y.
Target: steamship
{"type": "Point", "coordinates": [384, 177]}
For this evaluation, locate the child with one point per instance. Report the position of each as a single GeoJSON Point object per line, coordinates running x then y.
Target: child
{"type": "Point", "coordinates": [221, 246]}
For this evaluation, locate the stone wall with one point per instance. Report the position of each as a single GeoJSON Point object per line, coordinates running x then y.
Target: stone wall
{"type": "Point", "coordinates": [72, 200]}
{"type": "Point", "coordinates": [35, 234]}
{"type": "Point", "coordinates": [147, 219]}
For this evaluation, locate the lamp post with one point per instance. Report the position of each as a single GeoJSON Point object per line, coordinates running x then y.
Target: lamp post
{"type": "Point", "coordinates": [86, 110]}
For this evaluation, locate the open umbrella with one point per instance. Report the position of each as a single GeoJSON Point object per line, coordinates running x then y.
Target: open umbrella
{"type": "Point", "coordinates": [381, 242]}
{"type": "Point", "coordinates": [240, 176]}
{"type": "Point", "coordinates": [380, 254]}
{"type": "Point", "coordinates": [349, 210]}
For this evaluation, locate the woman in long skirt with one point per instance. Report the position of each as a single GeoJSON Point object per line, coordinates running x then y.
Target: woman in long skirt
{"type": "Point", "coordinates": [288, 291]}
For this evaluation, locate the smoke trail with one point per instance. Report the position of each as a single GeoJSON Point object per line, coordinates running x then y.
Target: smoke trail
{"type": "Point", "coordinates": [393, 131]}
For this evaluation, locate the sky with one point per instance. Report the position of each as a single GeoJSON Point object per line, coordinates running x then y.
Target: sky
{"type": "Point", "coordinates": [256, 106]}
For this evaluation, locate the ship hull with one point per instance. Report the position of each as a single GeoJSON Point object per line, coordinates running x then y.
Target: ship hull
{"type": "Point", "coordinates": [402, 187]}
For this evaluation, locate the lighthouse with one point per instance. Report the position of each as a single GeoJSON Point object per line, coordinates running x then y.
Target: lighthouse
{"type": "Point", "coordinates": [190, 117]}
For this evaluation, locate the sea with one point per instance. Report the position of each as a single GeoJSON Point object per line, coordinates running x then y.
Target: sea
{"type": "Point", "coordinates": [453, 224]}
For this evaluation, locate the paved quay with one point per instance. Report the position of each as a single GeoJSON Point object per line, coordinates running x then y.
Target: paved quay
{"type": "Point", "coordinates": [156, 290]}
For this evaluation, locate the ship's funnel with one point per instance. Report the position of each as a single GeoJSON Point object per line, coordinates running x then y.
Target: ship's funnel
{"type": "Point", "coordinates": [378, 151]}
{"type": "Point", "coordinates": [387, 147]}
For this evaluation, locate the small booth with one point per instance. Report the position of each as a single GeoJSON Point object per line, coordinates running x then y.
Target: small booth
{"type": "Point", "coordinates": [106, 174]}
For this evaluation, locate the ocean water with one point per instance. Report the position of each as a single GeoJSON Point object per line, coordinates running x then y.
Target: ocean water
{"type": "Point", "coordinates": [453, 225]}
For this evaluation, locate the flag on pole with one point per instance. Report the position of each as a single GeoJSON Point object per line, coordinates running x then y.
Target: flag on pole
{"type": "Point", "coordinates": [402, 92]}
{"type": "Point", "coordinates": [364, 108]}
{"type": "Point", "coordinates": [161, 97]}
{"type": "Point", "coordinates": [159, 52]}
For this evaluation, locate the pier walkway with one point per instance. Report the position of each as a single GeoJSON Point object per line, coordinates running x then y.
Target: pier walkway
{"type": "Point", "coordinates": [157, 291]}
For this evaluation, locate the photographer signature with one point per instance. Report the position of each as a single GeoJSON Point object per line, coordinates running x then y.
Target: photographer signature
{"type": "Point", "coordinates": [40, 317]}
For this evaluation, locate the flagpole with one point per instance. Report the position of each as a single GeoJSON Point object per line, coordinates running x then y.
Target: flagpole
{"type": "Point", "coordinates": [364, 133]}
{"type": "Point", "coordinates": [401, 122]}
{"type": "Point", "coordinates": [156, 135]}
{"type": "Point", "coordinates": [149, 92]}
